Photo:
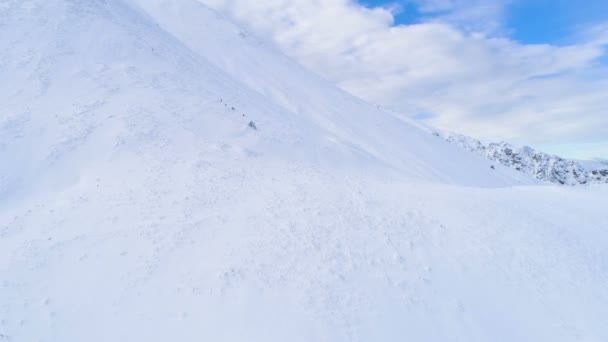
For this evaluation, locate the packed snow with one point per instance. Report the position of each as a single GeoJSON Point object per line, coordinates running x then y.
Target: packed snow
{"type": "Point", "coordinates": [165, 176]}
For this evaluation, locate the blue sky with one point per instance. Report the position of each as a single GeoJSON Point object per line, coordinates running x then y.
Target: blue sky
{"type": "Point", "coordinates": [557, 23]}
{"type": "Point", "coordinates": [553, 22]}
{"type": "Point", "coordinates": [527, 21]}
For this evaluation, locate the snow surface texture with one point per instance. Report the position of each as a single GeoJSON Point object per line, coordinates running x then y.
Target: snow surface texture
{"type": "Point", "coordinates": [138, 202]}
{"type": "Point", "coordinates": [537, 164]}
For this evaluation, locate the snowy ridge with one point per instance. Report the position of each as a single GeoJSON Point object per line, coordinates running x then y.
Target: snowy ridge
{"type": "Point", "coordinates": [594, 164]}
{"type": "Point", "coordinates": [338, 120]}
{"type": "Point", "coordinates": [212, 81]}
{"type": "Point", "coordinates": [537, 164]}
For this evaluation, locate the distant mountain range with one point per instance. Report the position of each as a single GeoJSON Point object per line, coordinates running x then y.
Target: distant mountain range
{"type": "Point", "coordinates": [537, 164]}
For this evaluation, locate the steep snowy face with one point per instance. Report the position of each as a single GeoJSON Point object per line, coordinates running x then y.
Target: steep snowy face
{"type": "Point", "coordinates": [91, 84]}
{"type": "Point", "coordinates": [87, 81]}
{"type": "Point", "coordinates": [537, 164]}
{"type": "Point", "coordinates": [343, 120]}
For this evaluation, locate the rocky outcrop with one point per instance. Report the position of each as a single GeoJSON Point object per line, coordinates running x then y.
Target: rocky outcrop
{"type": "Point", "coordinates": [537, 164]}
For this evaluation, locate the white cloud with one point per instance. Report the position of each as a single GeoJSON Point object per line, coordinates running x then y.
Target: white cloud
{"type": "Point", "coordinates": [451, 68]}
{"type": "Point", "coordinates": [468, 15]}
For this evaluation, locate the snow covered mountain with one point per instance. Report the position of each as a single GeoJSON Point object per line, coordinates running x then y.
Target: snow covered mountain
{"type": "Point", "coordinates": [537, 164]}
{"type": "Point", "coordinates": [164, 176]}
{"type": "Point", "coordinates": [594, 164]}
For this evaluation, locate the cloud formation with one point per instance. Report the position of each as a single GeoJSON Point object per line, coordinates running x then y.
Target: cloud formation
{"type": "Point", "coordinates": [454, 69]}
{"type": "Point", "coordinates": [481, 16]}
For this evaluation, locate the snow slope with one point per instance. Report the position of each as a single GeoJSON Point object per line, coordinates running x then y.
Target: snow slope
{"type": "Point", "coordinates": [594, 164]}
{"type": "Point", "coordinates": [106, 54]}
{"type": "Point", "coordinates": [204, 250]}
{"type": "Point", "coordinates": [346, 122]}
{"type": "Point", "coordinates": [137, 205]}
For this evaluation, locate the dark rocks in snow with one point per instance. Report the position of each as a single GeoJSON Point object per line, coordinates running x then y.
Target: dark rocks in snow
{"type": "Point", "coordinates": [252, 125]}
{"type": "Point", "coordinates": [525, 159]}
{"type": "Point", "coordinates": [600, 173]}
